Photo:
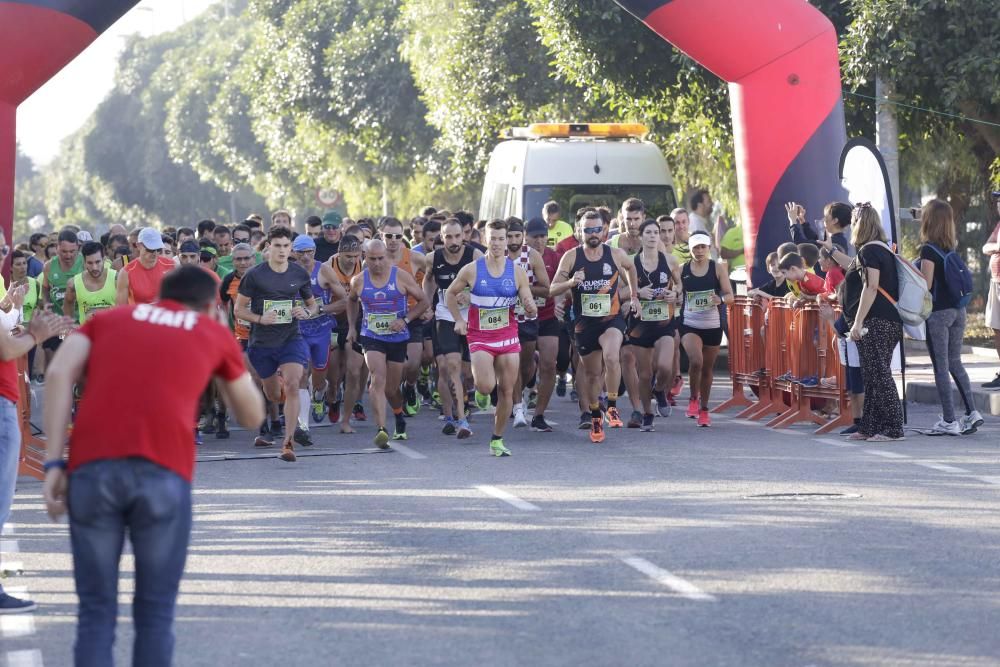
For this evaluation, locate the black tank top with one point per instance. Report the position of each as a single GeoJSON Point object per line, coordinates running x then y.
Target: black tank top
{"type": "Point", "coordinates": [445, 273]}
{"type": "Point", "coordinates": [698, 313]}
{"type": "Point", "coordinates": [596, 298]}
{"type": "Point", "coordinates": [659, 278]}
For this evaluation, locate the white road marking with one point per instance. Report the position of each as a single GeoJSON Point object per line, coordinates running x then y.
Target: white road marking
{"type": "Point", "coordinates": [17, 625]}
{"type": "Point", "coordinates": [835, 443]}
{"type": "Point", "coordinates": [884, 454]}
{"type": "Point", "coordinates": [29, 658]}
{"type": "Point", "coordinates": [9, 547]}
{"type": "Point", "coordinates": [407, 452]}
{"type": "Point", "coordinates": [680, 586]}
{"type": "Point", "coordinates": [941, 467]}
{"type": "Point", "coordinates": [990, 480]}
{"type": "Point", "coordinates": [8, 529]}
{"type": "Point", "coordinates": [509, 498]}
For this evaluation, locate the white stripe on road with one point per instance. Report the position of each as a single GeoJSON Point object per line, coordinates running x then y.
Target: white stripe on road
{"type": "Point", "coordinates": [886, 455]}
{"type": "Point", "coordinates": [990, 480]}
{"type": "Point", "coordinates": [508, 498]}
{"type": "Point", "coordinates": [13, 626]}
{"type": "Point", "coordinates": [835, 443]}
{"type": "Point", "coordinates": [9, 547]}
{"type": "Point", "coordinates": [8, 529]}
{"type": "Point", "coordinates": [680, 586]}
{"type": "Point", "coordinates": [407, 452]}
{"type": "Point", "coordinates": [29, 658]}
{"type": "Point", "coordinates": [941, 467]}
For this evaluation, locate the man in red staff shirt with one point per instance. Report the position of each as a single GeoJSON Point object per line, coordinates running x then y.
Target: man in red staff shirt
{"type": "Point", "coordinates": [130, 465]}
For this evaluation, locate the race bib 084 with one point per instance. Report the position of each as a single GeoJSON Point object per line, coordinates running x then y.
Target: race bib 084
{"type": "Point", "coordinates": [491, 319]}
{"type": "Point", "coordinates": [282, 307]}
{"type": "Point", "coordinates": [595, 305]}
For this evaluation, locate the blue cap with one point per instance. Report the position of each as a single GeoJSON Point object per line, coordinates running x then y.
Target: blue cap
{"type": "Point", "coordinates": [303, 242]}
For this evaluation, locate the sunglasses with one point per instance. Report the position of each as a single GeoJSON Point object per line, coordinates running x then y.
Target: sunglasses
{"type": "Point", "coordinates": [593, 230]}
{"type": "Point", "coordinates": [242, 239]}
{"type": "Point", "coordinates": [242, 259]}
{"type": "Point", "coordinates": [331, 226]}
{"type": "Point", "coordinates": [207, 258]}
{"type": "Point", "coordinates": [392, 236]}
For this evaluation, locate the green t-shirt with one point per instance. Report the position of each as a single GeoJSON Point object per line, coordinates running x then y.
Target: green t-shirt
{"type": "Point", "coordinates": [733, 240]}
{"type": "Point", "coordinates": [225, 264]}
{"type": "Point", "coordinates": [682, 252]}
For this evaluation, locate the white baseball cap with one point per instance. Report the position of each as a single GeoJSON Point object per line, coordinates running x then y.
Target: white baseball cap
{"type": "Point", "coordinates": [150, 238]}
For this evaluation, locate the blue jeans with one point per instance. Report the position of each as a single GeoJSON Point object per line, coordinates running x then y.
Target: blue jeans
{"type": "Point", "coordinates": [153, 504]}
{"type": "Point", "coordinates": [10, 452]}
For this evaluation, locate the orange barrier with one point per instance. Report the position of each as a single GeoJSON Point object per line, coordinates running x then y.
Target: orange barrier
{"type": "Point", "coordinates": [772, 350]}
{"type": "Point", "coordinates": [32, 447]}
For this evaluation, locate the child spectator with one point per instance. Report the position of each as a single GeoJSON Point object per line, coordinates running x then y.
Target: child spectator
{"type": "Point", "coordinates": [776, 287]}
{"type": "Point", "coordinates": [834, 274]}
{"type": "Point", "coordinates": [793, 268]}
{"type": "Point", "coordinates": [810, 255]}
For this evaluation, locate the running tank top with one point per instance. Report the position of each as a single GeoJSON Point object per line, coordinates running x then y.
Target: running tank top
{"type": "Point", "coordinates": [323, 323]}
{"type": "Point", "coordinates": [143, 283]}
{"type": "Point", "coordinates": [524, 261]}
{"type": "Point", "coordinates": [491, 312]}
{"type": "Point", "coordinates": [31, 297]}
{"type": "Point", "coordinates": [596, 298]}
{"type": "Point", "coordinates": [406, 263]}
{"type": "Point", "coordinates": [444, 274]}
{"type": "Point", "coordinates": [654, 310]}
{"type": "Point", "coordinates": [59, 278]}
{"type": "Point", "coordinates": [380, 306]}
{"type": "Point", "coordinates": [699, 311]}
{"type": "Point", "coordinates": [87, 302]}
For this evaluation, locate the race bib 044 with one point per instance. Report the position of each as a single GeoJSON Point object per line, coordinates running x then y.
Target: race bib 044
{"type": "Point", "coordinates": [381, 323]}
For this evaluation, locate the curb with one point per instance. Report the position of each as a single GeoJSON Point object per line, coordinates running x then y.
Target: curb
{"type": "Point", "coordinates": [987, 402]}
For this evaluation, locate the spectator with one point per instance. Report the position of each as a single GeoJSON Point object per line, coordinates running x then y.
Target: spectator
{"type": "Point", "coordinates": [775, 288]}
{"type": "Point", "coordinates": [36, 261]}
{"type": "Point", "coordinates": [699, 208]}
{"type": "Point", "coordinates": [810, 255]}
{"type": "Point", "coordinates": [205, 228]}
{"type": "Point", "coordinates": [681, 233]}
{"type": "Point", "coordinates": [946, 324]}
{"type": "Point", "coordinates": [558, 229]}
{"type": "Point", "coordinates": [834, 274]}
{"type": "Point", "coordinates": [992, 249]}
{"type": "Point", "coordinates": [794, 269]}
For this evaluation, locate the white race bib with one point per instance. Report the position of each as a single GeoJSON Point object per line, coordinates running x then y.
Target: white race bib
{"type": "Point", "coordinates": [595, 305]}
{"type": "Point", "coordinates": [491, 319]}
{"type": "Point", "coordinates": [283, 308]}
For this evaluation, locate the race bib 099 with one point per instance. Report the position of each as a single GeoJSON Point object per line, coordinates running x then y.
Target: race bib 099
{"type": "Point", "coordinates": [653, 311]}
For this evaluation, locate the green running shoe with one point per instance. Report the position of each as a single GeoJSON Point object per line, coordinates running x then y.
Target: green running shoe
{"type": "Point", "coordinates": [400, 433]}
{"type": "Point", "coordinates": [411, 404]}
{"type": "Point", "coordinates": [482, 401]}
{"type": "Point", "coordinates": [382, 439]}
{"type": "Point", "coordinates": [497, 448]}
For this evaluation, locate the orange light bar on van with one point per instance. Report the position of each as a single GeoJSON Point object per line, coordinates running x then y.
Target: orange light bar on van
{"type": "Point", "coordinates": [613, 130]}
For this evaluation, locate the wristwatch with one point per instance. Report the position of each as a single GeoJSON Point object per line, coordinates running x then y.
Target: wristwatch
{"type": "Point", "coordinates": [58, 463]}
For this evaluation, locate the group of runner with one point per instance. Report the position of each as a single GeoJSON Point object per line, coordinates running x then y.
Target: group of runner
{"type": "Point", "coordinates": [423, 315]}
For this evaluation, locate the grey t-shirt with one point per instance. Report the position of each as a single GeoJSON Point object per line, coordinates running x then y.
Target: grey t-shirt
{"type": "Point", "coordinates": [270, 290]}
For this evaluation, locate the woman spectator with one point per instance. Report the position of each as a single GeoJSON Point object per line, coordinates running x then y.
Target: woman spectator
{"type": "Point", "coordinates": [871, 288]}
{"type": "Point", "coordinates": [946, 324]}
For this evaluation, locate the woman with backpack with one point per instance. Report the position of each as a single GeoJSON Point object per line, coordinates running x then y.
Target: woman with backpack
{"type": "Point", "coordinates": [950, 284]}
{"type": "Point", "coordinates": [871, 289]}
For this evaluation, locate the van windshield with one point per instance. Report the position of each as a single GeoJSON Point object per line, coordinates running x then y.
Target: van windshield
{"type": "Point", "coordinates": [659, 199]}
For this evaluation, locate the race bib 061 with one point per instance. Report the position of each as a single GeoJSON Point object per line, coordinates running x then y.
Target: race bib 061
{"type": "Point", "coordinates": [595, 305]}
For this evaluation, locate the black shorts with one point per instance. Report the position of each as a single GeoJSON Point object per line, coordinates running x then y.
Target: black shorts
{"type": "Point", "coordinates": [645, 334]}
{"type": "Point", "coordinates": [395, 352]}
{"type": "Point", "coordinates": [709, 337]}
{"type": "Point", "coordinates": [587, 335]}
{"type": "Point", "coordinates": [446, 342]}
{"type": "Point", "coordinates": [548, 328]}
{"type": "Point", "coordinates": [527, 331]}
{"type": "Point", "coordinates": [416, 328]}
{"type": "Point", "coordinates": [52, 344]}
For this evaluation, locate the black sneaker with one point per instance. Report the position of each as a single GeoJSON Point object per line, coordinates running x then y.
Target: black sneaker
{"type": "Point", "coordinates": [853, 428]}
{"type": "Point", "coordinates": [635, 421]}
{"type": "Point", "coordinates": [539, 424]}
{"type": "Point", "coordinates": [302, 437]}
{"type": "Point", "coordinates": [647, 423]}
{"type": "Point", "coordinates": [208, 424]}
{"type": "Point", "coordinates": [222, 433]}
{"type": "Point", "coordinates": [992, 384]}
{"type": "Point", "coordinates": [13, 605]}
{"type": "Point", "coordinates": [561, 387]}
{"type": "Point", "coordinates": [449, 427]}
{"type": "Point", "coordinates": [584, 421]}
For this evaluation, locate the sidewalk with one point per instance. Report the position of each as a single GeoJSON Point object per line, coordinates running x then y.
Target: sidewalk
{"type": "Point", "coordinates": [982, 365]}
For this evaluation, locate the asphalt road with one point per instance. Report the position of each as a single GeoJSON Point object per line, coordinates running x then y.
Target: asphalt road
{"type": "Point", "coordinates": [646, 550]}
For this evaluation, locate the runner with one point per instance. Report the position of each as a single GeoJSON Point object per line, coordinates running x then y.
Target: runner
{"type": "Point", "coordinates": [20, 276]}
{"type": "Point", "coordinates": [549, 326]}
{"type": "Point", "coordinates": [317, 332]}
{"type": "Point", "coordinates": [402, 257]}
{"type": "Point", "coordinates": [701, 333]}
{"type": "Point", "coordinates": [651, 331]}
{"type": "Point", "coordinates": [56, 275]}
{"type": "Point", "coordinates": [346, 361]}
{"type": "Point", "coordinates": [266, 299]}
{"type": "Point", "coordinates": [667, 239]}
{"type": "Point", "coordinates": [383, 291]}
{"type": "Point", "coordinates": [450, 348]}
{"type": "Point", "coordinates": [592, 272]}
{"type": "Point", "coordinates": [140, 281]}
{"type": "Point", "coordinates": [243, 259]}
{"type": "Point", "coordinates": [94, 289]}
{"type": "Point", "coordinates": [631, 216]}
{"type": "Point", "coordinates": [496, 285]}
{"type": "Point", "coordinates": [530, 261]}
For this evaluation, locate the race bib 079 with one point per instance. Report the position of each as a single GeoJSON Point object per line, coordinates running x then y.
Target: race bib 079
{"type": "Point", "coordinates": [697, 302]}
{"type": "Point", "coordinates": [283, 308]}
{"type": "Point", "coordinates": [595, 305]}
{"type": "Point", "coordinates": [491, 319]}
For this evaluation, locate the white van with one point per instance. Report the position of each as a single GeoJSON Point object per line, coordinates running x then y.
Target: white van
{"type": "Point", "coordinates": [575, 164]}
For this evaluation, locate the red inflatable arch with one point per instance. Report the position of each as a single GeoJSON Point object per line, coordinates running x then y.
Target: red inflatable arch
{"type": "Point", "coordinates": [37, 39]}
{"type": "Point", "coordinates": [781, 61]}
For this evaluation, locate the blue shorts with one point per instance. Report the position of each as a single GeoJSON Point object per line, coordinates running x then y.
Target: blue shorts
{"type": "Point", "coordinates": [319, 349]}
{"type": "Point", "coordinates": [266, 360]}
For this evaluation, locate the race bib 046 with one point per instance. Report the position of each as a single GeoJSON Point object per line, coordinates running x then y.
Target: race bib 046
{"type": "Point", "coordinates": [698, 302]}
{"type": "Point", "coordinates": [283, 308]}
{"type": "Point", "coordinates": [595, 305]}
{"type": "Point", "coordinates": [491, 319]}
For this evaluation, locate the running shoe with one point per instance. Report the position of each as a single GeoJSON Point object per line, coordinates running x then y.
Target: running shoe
{"type": "Point", "coordinates": [520, 421]}
{"type": "Point", "coordinates": [539, 424]}
{"type": "Point", "coordinates": [359, 412]}
{"type": "Point", "coordinates": [400, 433]}
{"type": "Point", "coordinates": [302, 437]}
{"type": "Point", "coordinates": [436, 399]}
{"type": "Point", "coordinates": [596, 430]}
{"type": "Point", "coordinates": [208, 424]}
{"type": "Point", "coordinates": [635, 420]}
{"type": "Point", "coordinates": [561, 387]}
{"type": "Point", "coordinates": [287, 454]}
{"type": "Point", "coordinates": [704, 420]}
{"type": "Point", "coordinates": [850, 430]}
{"type": "Point", "coordinates": [222, 433]}
{"type": "Point", "coordinates": [584, 421]}
{"type": "Point", "coordinates": [382, 439]}
{"type": "Point", "coordinates": [992, 384]}
{"type": "Point", "coordinates": [318, 409]}
{"type": "Point", "coordinates": [482, 401]}
{"type": "Point", "coordinates": [197, 438]}
{"type": "Point", "coordinates": [573, 396]}
{"type": "Point", "coordinates": [532, 399]}
{"type": "Point", "coordinates": [333, 412]}
{"type": "Point", "coordinates": [946, 428]}
{"type": "Point", "coordinates": [970, 423]}
{"type": "Point", "coordinates": [464, 430]}
{"type": "Point", "coordinates": [614, 419]}
{"type": "Point", "coordinates": [662, 404]}
{"type": "Point", "coordinates": [672, 400]}
{"type": "Point", "coordinates": [693, 407]}
{"type": "Point", "coordinates": [261, 441]}
{"type": "Point", "coordinates": [12, 605]}
{"type": "Point", "coordinates": [497, 449]}
{"type": "Point", "coordinates": [449, 427]}
{"type": "Point", "coordinates": [411, 403]}
{"type": "Point", "coordinates": [675, 389]}
{"type": "Point", "coordinates": [647, 423]}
